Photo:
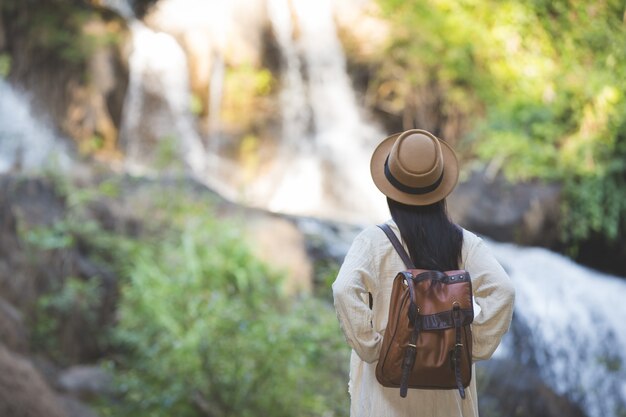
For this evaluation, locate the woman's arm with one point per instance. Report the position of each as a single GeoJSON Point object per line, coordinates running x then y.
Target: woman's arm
{"type": "Point", "coordinates": [350, 292]}
{"type": "Point", "coordinates": [495, 294]}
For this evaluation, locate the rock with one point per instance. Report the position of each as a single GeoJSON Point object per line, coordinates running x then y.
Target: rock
{"type": "Point", "coordinates": [25, 205]}
{"type": "Point", "coordinates": [2, 36]}
{"type": "Point", "coordinates": [506, 388]}
{"type": "Point", "coordinates": [39, 253]}
{"type": "Point", "coordinates": [23, 392]}
{"type": "Point", "coordinates": [524, 213]}
{"type": "Point", "coordinates": [34, 201]}
{"type": "Point", "coordinates": [95, 108]}
{"type": "Point", "coordinates": [48, 369]}
{"type": "Point", "coordinates": [12, 331]}
{"type": "Point", "coordinates": [280, 244]}
{"type": "Point", "coordinates": [76, 408]}
{"type": "Point", "coordinates": [85, 382]}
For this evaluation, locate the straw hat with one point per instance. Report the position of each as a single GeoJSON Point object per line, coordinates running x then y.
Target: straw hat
{"type": "Point", "coordinates": [414, 168]}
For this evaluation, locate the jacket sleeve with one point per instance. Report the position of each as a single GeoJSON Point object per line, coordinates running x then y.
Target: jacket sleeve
{"type": "Point", "coordinates": [495, 294]}
{"type": "Point", "coordinates": [350, 292]}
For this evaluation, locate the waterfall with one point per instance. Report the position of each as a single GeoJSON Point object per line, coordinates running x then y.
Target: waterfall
{"type": "Point", "coordinates": [296, 114]}
{"type": "Point", "coordinates": [26, 143]}
{"type": "Point", "coordinates": [205, 29]}
{"type": "Point", "coordinates": [324, 166]}
{"type": "Point", "coordinates": [157, 105]}
{"type": "Point", "coordinates": [574, 327]}
{"type": "Point", "coordinates": [321, 166]}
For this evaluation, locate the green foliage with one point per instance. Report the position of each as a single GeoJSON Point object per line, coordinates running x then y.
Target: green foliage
{"type": "Point", "coordinates": [47, 238]}
{"type": "Point", "coordinates": [245, 88]}
{"type": "Point", "coordinates": [325, 273]}
{"type": "Point", "coordinates": [5, 65]}
{"type": "Point", "coordinates": [78, 227]}
{"type": "Point", "coordinates": [75, 300]}
{"type": "Point", "coordinates": [596, 207]}
{"type": "Point", "coordinates": [60, 29]}
{"type": "Point", "coordinates": [167, 153]}
{"type": "Point", "coordinates": [69, 305]}
{"type": "Point", "coordinates": [203, 326]}
{"type": "Point", "coordinates": [543, 83]}
{"type": "Point", "coordinates": [196, 104]}
{"type": "Point", "coordinates": [91, 145]}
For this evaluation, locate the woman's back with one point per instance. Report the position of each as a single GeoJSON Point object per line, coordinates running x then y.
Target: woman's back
{"type": "Point", "coordinates": [416, 171]}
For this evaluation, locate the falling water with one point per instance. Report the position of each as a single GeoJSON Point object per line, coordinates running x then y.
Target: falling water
{"type": "Point", "coordinates": [338, 124]}
{"type": "Point", "coordinates": [322, 163]}
{"type": "Point", "coordinates": [328, 143]}
{"type": "Point", "coordinates": [157, 106]}
{"type": "Point", "coordinates": [296, 114]}
{"type": "Point", "coordinates": [26, 143]}
{"type": "Point", "coordinates": [121, 6]}
{"type": "Point", "coordinates": [205, 28]}
{"type": "Point", "coordinates": [295, 183]}
{"type": "Point", "coordinates": [576, 319]}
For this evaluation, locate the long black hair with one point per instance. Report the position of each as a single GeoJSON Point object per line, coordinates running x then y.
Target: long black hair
{"type": "Point", "coordinates": [434, 242]}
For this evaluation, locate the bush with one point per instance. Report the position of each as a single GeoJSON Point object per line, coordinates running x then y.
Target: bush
{"type": "Point", "coordinates": [202, 327]}
{"type": "Point", "coordinates": [204, 330]}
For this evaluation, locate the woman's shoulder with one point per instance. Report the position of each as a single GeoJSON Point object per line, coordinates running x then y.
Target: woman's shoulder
{"type": "Point", "coordinates": [373, 238]}
{"type": "Point", "coordinates": [469, 238]}
{"type": "Point", "coordinates": [371, 235]}
{"type": "Point", "coordinates": [472, 246]}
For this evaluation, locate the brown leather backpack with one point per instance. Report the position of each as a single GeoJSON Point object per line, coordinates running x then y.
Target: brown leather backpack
{"type": "Point", "coordinates": [428, 340]}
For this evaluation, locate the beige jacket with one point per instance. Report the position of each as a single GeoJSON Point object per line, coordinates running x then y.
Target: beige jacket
{"type": "Point", "coordinates": [370, 266]}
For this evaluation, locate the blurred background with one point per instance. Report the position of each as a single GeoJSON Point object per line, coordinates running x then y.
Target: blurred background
{"type": "Point", "coordinates": [181, 179]}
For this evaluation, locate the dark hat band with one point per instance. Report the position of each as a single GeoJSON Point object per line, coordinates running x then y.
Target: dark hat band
{"type": "Point", "coordinates": [405, 188]}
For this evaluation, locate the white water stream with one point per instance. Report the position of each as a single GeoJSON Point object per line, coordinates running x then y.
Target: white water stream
{"type": "Point", "coordinates": [26, 142]}
{"type": "Point", "coordinates": [576, 324]}
{"type": "Point", "coordinates": [158, 68]}
{"type": "Point", "coordinates": [323, 168]}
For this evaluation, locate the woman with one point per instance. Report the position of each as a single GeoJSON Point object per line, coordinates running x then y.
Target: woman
{"type": "Point", "coordinates": [416, 171]}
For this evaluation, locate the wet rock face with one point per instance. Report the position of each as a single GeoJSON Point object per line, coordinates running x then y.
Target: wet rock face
{"type": "Point", "coordinates": [527, 214]}
{"type": "Point", "coordinates": [507, 388]}
{"type": "Point", "coordinates": [32, 265]}
{"type": "Point", "coordinates": [278, 242]}
{"type": "Point", "coordinates": [524, 213]}
{"type": "Point", "coordinates": [86, 382]}
{"type": "Point", "coordinates": [24, 202]}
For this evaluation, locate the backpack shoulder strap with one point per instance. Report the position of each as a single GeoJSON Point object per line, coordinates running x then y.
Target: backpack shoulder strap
{"type": "Point", "coordinates": [397, 245]}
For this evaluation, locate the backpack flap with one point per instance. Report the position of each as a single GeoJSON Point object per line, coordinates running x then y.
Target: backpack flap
{"type": "Point", "coordinates": [436, 295]}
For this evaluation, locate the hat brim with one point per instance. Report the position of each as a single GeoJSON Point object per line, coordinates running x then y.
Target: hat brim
{"type": "Point", "coordinates": [449, 181]}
